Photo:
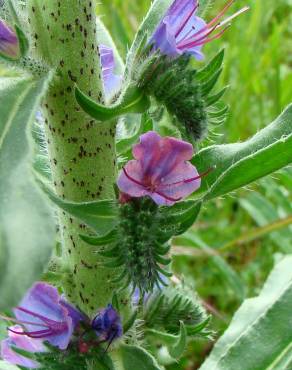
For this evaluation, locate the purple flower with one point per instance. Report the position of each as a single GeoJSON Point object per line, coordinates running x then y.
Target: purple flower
{"type": "Point", "coordinates": [182, 31]}
{"type": "Point", "coordinates": [22, 342]}
{"type": "Point", "coordinates": [160, 170]}
{"type": "Point", "coordinates": [107, 324]}
{"type": "Point", "coordinates": [9, 45]}
{"type": "Point", "coordinates": [111, 81]}
{"type": "Point", "coordinates": [46, 316]}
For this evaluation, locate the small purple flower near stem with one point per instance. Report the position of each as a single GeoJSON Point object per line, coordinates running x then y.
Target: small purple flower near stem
{"type": "Point", "coordinates": [9, 44]}
{"type": "Point", "coordinates": [22, 342]}
{"type": "Point", "coordinates": [107, 325]}
{"type": "Point", "coordinates": [182, 31]}
{"type": "Point", "coordinates": [111, 81]}
{"type": "Point", "coordinates": [160, 170]}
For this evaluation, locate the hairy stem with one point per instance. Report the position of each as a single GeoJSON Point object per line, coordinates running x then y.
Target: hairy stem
{"type": "Point", "coordinates": [81, 150]}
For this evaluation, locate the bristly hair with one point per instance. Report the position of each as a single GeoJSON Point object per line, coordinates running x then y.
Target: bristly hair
{"type": "Point", "coordinates": [185, 91]}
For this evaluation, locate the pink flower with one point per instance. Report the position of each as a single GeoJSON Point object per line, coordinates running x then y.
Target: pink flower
{"type": "Point", "coordinates": [22, 342]}
{"type": "Point", "coordinates": [160, 170]}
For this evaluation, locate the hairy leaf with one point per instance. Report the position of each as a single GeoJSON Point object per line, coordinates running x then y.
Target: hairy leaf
{"type": "Point", "coordinates": [137, 358]}
{"type": "Point", "coordinates": [259, 336]}
{"type": "Point", "coordinates": [237, 165]}
{"type": "Point", "coordinates": [26, 224]}
{"type": "Point", "coordinates": [100, 215]}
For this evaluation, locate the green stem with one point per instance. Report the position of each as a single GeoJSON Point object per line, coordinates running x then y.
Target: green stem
{"type": "Point", "coordinates": [81, 150]}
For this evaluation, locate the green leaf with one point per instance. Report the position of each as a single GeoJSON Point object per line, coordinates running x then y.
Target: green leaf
{"type": "Point", "coordinates": [132, 100]}
{"type": "Point", "coordinates": [259, 336]}
{"type": "Point", "coordinates": [100, 215]}
{"type": "Point", "coordinates": [177, 350]}
{"type": "Point", "coordinates": [27, 227]}
{"type": "Point", "coordinates": [109, 238]}
{"type": "Point", "coordinates": [237, 165]}
{"type": "Point", "coordinates": [182, 215]}
{"type": "Point", "coordinates": [137, 358]}
{"type": "Point", "coordinates": [212, 68]}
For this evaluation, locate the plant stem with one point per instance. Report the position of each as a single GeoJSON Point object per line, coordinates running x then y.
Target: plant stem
{"type": "Point", "coordinates": [81, 150]}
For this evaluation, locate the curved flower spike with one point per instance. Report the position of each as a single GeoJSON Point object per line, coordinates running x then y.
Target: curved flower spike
{"type": "Point", "coordinates": [46, 316]}
{"type": "Point", "coordinates": [22, 342]}
{"type": "Point", "coordinates": [182, 31]}
{"type": "Point", "coordinates": [111, 81]}
{"type": "Point", "coordinates": [9, 43]}
{"type": "Point", "coordinates": [160, 170]}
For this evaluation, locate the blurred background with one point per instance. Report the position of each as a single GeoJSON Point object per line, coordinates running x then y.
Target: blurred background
{"type": "Point", "coordinates": [236, 241]}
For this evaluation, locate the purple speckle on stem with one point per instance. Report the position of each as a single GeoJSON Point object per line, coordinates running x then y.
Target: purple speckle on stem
{"type": "Point", "coordinates": [111, 81]}
{"type": "Point", "coordinates": [182, 31]}
{"type": "Point", "coordinates": [9, 44]}
{"type": "Point", "coordinates": [160, 170]}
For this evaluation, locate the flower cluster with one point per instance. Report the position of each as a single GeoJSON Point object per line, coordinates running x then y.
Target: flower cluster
{"type": "Point", "coordinates": [182, 31]}
{"type": "Point", "coordinates": [44, 316]}
{"type": "Point", "coordinates": [9, 43]}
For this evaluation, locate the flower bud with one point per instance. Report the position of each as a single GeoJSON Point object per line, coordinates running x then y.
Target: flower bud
{"type": "Point", "coordinates": [9, 43]}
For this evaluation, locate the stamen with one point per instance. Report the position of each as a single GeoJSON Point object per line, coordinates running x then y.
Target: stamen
{"type": "Point", "coordinates": [43, 318]}
{"type": "Point", "coordinates": [132, 179]}
{"type": "Point", "coordinates": [214, 20]}
{"type": "Point", "coordinates": [192, 40]}
{"type": "Point", "coordinates": [22, 322]}
{"type": "Point", "coordinates": [167, 197]}
{"type": "Point", "coordinates": [186, 20]}
{"type": "Point", "coordinates": [206, 41]}
{"type": "Point", "coordinates": [33, 334]}
{"type": "Point", "coordinates": [229, 19]}
{"type": "Point", "coordinates": [191, 179]}
{"type": "Point", "coordinates": [201, 175]}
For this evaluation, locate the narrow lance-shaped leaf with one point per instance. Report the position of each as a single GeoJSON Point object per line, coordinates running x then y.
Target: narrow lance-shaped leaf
{"type": "Point", "coordinates": [132, 101]}
{"type": "Point", "coordinates": [27, 229]}
{"type": "Point", "coordinates": [259, 336]}
{"type": "Point", "coordinates": [100, 215]}
{"type": "Point", "coordinates": [237, 165]}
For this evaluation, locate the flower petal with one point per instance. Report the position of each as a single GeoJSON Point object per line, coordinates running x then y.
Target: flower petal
{"type": "Point", "coordinates": [160, 155]}
{"type": "Point", "coordinates": [43, 300]}
{"type": "Point", "coordinates": [173, 185]}
{"type": "Point", "coordinates": [22, 342]}
{"type": "Point", "coordinates": [111, 81]}
{"type": "Point", "coordinates": [133, 168]}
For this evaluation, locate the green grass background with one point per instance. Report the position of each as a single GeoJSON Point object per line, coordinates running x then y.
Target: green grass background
{"type": "Point", "coordinates": [258, 68]}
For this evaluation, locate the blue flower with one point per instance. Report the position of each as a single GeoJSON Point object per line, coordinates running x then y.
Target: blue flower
{"type": "Point", "coordinates": [182, 31]}
{"type": "Point", "coordinates": [111, 81]}
{"type": "Point", "coordinates": [107, 324]}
